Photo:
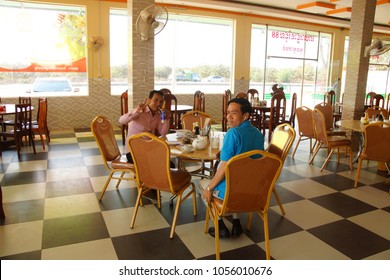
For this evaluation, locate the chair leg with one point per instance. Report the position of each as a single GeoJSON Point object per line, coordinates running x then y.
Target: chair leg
{"type": "Point", "coordinates": [249, 223]}
{"type": "Point", "coordinates": [136, 207]}
{"type": "Point", "coordinates": [296, 147]}
{"type": "Point", "coordinates": [106, 185]}
{"type": "Point", "coordinates": [316, 149]}
{"type": "Point", "coordinates": [217, 245]}
{"type": "Point", "coordinates": [266, 236]}
{"type": "Point", "coordinates": [279, 202]}
{"type": "Point", "coordinates": [358, 172]}
{"type": "Point", "coordinates": [178, 203]}
{"type": "Point", "coordinates": [327, 159]}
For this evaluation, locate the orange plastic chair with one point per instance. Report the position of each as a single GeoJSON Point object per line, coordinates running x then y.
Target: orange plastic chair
{"type": "Point", "coordinates": [40, 126]}
{"type": "Point", "coordinates": [376, 146]}
{"type": "Point", "coordinates": [115, 163]}
{"type": "Point", "coordinates": [306, 127]}
{"type": "Point", "coordinates": [247, 190]}
{"type": "Point", "coordinates": [152, 165]}
{"type": "Point", "coordinates": [330, 142]}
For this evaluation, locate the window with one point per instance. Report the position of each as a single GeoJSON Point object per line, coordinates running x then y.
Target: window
{"type": "Point", "coordinates": [44, 43]}
{"type": "Point", "coordinates": [297, 60]}
{"type": "Point", "coordinates": [190, 51]}
{"type": "Point", "coordinates": [119, 50]}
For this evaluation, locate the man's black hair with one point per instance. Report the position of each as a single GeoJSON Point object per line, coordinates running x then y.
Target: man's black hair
{"type": "Point", "coordinates": [157, 92]}
{"type": "Point", "coordinates": [245, 105]}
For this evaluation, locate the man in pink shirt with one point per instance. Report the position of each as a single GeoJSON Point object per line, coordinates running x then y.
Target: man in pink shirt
{"type": "Point", "coordinates": [146, 117]}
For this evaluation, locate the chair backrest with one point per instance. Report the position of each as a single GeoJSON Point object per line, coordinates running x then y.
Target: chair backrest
{"type": "Point", "coordinates": [22, 124]}
{"type": "Point", "coordinates": [251, 93]}
{"type": "Point", "coordinates": [199, 101]}
{"type": "Point", "coordinates": [369, 98]}
{"type": "Point", "coordinates": [103, 132]}
{"type": "Point", "coordinates": [320, 126]}
{"type": "Point", "coordinates": [151, 160]}
{"type": "Point", "coordinates": [282, 139]}
{"type": "Point", "coordinates": [42, 112]}
{"type": "Point", "coordinates": [388, 103]}
{"type": "Point", "coordinates": [124, 103]}
{"type": "Point", "coordinates": [330, 97]}
{"type": "Point", "coordinates": [247, 189]}
{"type": "Point", "coordinates": [24, 100]}
{"type": "Point", "coordinates": [241, 95]}
{"type": "Point", "coordinates": [305, 122]}
{"type": "Point", "coordinates": [225, 99]}
{"type": "Point", "coordinates": [327, 111]}
{"type": "Point", "coordinates": [376, 142]}
{"type": "Point", "coordinates": [190, 117]}
{"type": "Point", "coordinates": [169, 100]}
{"type": "Point", "coordinates": [278, 109]}
{"type": "Point", "coordinates": [375, 112]}
{"type": "Point", "coordinates": [293, 109]}
{"type": "Point", "coordinates": [378, 101]}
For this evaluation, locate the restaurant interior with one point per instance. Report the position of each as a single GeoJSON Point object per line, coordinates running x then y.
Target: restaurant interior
{"type": "Point", "coordinates": [58, 203]}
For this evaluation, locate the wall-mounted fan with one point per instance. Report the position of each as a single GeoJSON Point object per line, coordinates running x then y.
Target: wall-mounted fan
{"type": "Point", "coordinates": [151, 21]}
{"type": "Point", "coordinates": [376, 48]}
{"type": "Point", "coordinates": [95, 42]}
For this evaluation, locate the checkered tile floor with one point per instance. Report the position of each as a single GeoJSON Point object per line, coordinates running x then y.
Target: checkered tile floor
{"type": "Point", "coordinates": [52, 212]}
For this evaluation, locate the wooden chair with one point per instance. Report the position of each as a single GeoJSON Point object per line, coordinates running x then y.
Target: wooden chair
{"type": "Point", "coordinates": [306, 127]}
{"type": "Point", "coordinates": [376, 146]}
{"type": "Point", "coordinates": [378, 101]}
{"type": "Point", "coordinates": [247, 190]}
{"type": "Point", "coordinates": [241, 95]}
{"type": "Point", "coordinates": [277, 114]}
{"type": "Point", "coordinates": [225, 99]}
{"type": "Point", "coordinates": [330, 142]}
{"type": "Point", "coordinates": [388, 103]}
{"type": "Point", "coordinates": [22, 100]}
{"type": "Point", "coordinates": [124, 110]}
{"type": "Point", "coordinates": [282, 139]}
{"type": "Point", "coordinates": [199, 101]}
{"type": "Point", "coordinates": [152, 164]}
{"type": "Point", "coordinates": [22, 127]}
{"type": "Point", "coordinates": [369, 99]}
{"type": "Point", "coordinates": [40, 126]}
{"type": "Point", "coordinates": [291, 118]}
{"type": "Point", "coordinates": [252, 93]}
{"type": "Point", "coordinates": [115, 163]}
{"type": "Point", "coordinates": [330, 97]}
{"type": "Point", "coordinates": [169, 100]}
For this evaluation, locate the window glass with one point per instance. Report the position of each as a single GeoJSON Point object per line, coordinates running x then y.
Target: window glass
{"type": "Point", "coordinates": [45, 49]}
{"type": "Point", "coordinates": [119, 50]}
{"type": "Point", "coordinates": [297, 60]}
{"type": "Point", "coordinates": [194, 53]}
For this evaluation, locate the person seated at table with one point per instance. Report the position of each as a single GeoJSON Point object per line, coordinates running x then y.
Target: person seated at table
{"type": "Point", "coordinates": [146, 117]}
{"type": "Point", "coordinates": [240, 138]}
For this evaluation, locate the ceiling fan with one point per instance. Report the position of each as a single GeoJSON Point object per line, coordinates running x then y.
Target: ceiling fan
{"type": "Point", "coordinates": [151, 21]}
{"type": "Point", "coordinates": [376, 48]}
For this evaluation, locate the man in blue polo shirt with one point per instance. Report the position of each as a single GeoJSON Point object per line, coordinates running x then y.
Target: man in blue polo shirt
{"type": "Point", "coordinates": [240, 138]}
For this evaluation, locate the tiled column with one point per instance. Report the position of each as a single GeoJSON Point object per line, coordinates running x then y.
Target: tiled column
{"type": "Point", "coordinates": [141, 56]}
{"type": "Point", "coordinates": [362, 21]}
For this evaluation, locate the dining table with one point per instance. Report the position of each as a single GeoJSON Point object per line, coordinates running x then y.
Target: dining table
{"type": "Point", "coordinates": [357, 126]}
{"type": "Point", "coordinates": [207, 154]}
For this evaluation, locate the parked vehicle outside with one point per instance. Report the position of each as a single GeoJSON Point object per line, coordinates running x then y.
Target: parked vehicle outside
{"type": "Point", "coordinates": [52, 85]}
{"type": "Point", "coordinates": [214, 78]}
{"type": "Point", "coordinates": [188, 77]}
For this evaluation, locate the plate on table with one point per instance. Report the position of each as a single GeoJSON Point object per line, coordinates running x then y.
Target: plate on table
{"type": "Point", "coordinates": [173, 143]}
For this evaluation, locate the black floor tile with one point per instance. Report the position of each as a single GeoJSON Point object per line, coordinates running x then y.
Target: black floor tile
{"type": "Point", "coordinates": [342, 204]}
{"type": "Point", "coordinates": [73, 229]}
{"type": "Point", "coordinates": [251, 252]}
{"type": "Point", "coordinates": [121, 198]}
{"type": "Point", "coordinates": [64, 147]}
{"type": "Point", "coordinates": [68, 187]}
{"type": "Point", "coordinates": [85, 139]}
{"type": "Point", "coordinates": [151, 245]}
{"type": "Point", "coordinates": [34, 255]}
{"type": "Point", "coordinates": [23, 211]}
{"type": "Point", "coordinates": [286, 176]}
{"type": "Point", "coordinates": [334, 181]}
{"type": "Point", "coordinates": [22, 178]}
{"type": "Point", "coordinates": [350, 239]}
{"type": "Point", "coordinates": [62, 135]}
{"type": "Point", "coordinates": [285, 196]}
{"type": "Point", "coordinates": [98, 171]}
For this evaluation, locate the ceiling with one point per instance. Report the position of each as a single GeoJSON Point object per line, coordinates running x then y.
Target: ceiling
{"type": "Point", "coordinates": [328, 12]}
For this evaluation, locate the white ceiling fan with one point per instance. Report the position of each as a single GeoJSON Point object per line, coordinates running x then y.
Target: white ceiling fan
{"type": "Point", "coordinates": [376, 48]}
{"type": "Point", "coordinates": [151, 21]}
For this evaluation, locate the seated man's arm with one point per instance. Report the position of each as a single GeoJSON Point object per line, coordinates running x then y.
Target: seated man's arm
{"type": "Point", "coordinates": [218, 177]}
